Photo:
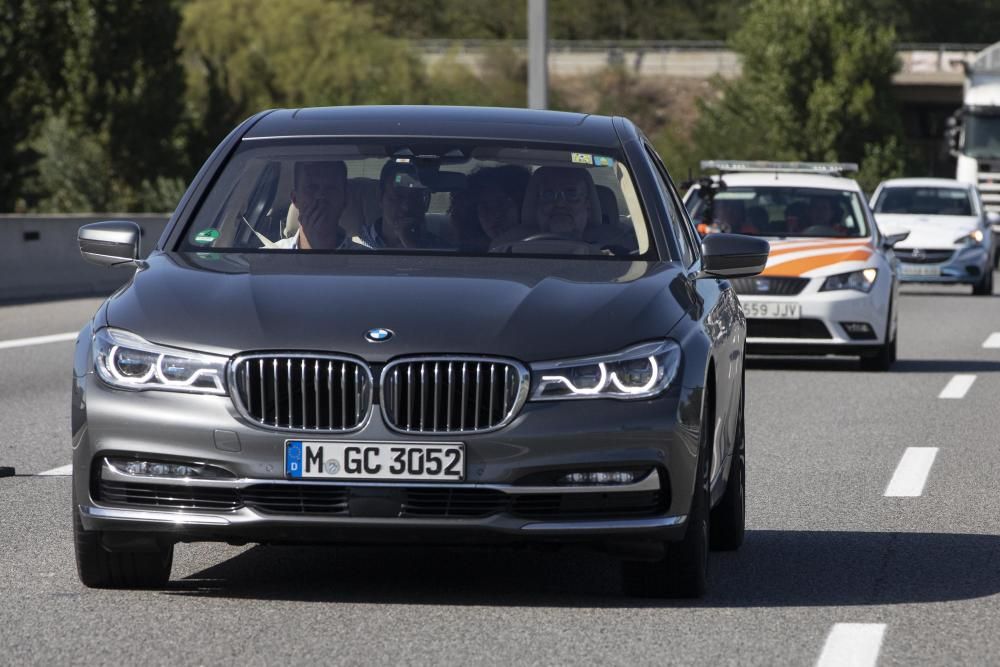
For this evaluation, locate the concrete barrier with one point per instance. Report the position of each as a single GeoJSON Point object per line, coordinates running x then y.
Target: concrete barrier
{"type": "Point", "coordinates": [40, 258]}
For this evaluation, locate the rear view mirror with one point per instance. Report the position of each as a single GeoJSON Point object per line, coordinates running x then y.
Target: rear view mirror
{"type": "Point", "coordinates": [892, 239]}
{"type": "Point", "coordinates": [993, 218]}
{"type": "Point", "coordinates": [110, 243]}
{"type": "Point", "coordinates": [732, 255]}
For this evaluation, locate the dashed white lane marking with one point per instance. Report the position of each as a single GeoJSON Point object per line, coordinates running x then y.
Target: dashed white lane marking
{"type": "Point", "coordinates": [61, 470]}
{"type": "Point", "coordinates": [993, 340]}
{"type": "Point", "coordinates": [911, 473]}
{"type": "Point", "coordinates": [852, 644]}
{"type": "Point", "coordinates": [957, 387]}
{"type": "Point", "coordinates": [37, 340]}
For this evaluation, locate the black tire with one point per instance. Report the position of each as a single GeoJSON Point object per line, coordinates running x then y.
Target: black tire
{"type": "Point", "coordinates": [728, 518]}
{"type": "Point", "coordinates": [882, 360]}
{"type": "Point", "coordinates": [985, 286]}
{"type": "Point", "coordinates": [100, 568]}
{"type": "Point", "coordinates": [885, 357]}
{"type": "Point", "coordinates": [683, 570]}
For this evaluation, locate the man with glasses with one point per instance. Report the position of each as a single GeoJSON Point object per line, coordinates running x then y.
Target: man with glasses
{"type": "Point", "coordinates": [563, 201]}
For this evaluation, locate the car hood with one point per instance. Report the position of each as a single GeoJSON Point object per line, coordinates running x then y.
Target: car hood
{"type": "Point", "coordinates": [809, 257]}
{"type": "Point", "coordinates": [927, 231]}
{"type": "Point", "coordinates": [528, 309]}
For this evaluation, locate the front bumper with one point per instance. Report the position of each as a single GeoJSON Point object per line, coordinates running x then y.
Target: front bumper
{"type": "Point", "coordinates": [966, 266]}
{"type": "Point", "coordinates": [545, 439]}
{"type": "Point", "coordinates": [820, 330]}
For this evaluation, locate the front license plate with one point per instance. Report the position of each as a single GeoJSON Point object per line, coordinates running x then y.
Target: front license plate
{"type": "Point", "coordinates": [374, 460]}
{"type": "Point", "coordinates": [772, 310]}
{"type": "Point", "coordinates": [919, 269]}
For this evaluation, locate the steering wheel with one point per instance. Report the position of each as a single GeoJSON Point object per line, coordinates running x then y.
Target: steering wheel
{"type": "Point", "coordinates": [508, 246]}
{"type": "Point", "coordinates": [543, 236]}
{"type": "Point", "coordinates": [819, 230]}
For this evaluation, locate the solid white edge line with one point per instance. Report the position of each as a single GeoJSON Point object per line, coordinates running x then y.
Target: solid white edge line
{"type": "Point", "coordinates": [37, 340]}
{"type": "Point", "coordinates": [911, 473]}
{"type": "Point", "coordinates": [957, 387]}
{"type": "Point", "coordinates": [853, 645]}
{"type": "Point", "coordinates": [993, 341]}
{"type": "Point", "coordinates": [61, 470]}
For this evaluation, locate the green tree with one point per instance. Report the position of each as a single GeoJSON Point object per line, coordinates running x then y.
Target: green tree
{"type": "Point", "coordinates": [30, 70]}
{"type": "Point", "coordinates": [124, 84]}
{"type": "Point", "coordinates": [246, 55]}
{"type": "Point", "coordinates": [815, 86]}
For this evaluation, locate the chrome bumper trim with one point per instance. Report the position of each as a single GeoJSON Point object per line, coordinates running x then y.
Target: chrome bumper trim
{"type": "Point", "coordinates": [610, 524]}
{"type": "Point", "coordinates": [650, 482]}
{"type": "Point", "coordinates": [178, 517]}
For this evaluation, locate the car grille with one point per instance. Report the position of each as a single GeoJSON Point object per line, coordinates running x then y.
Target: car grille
{"type": "Point", "coordinates": [628, 504]}
{"type": "Point", "coordinates": [303, 392]}
{"type": "Point", "coordinates": [921, 256]}
{"type": "Point", "coordinates": [804, 328]}
{"type": "Point", "coordinates": [296, 499]}
{"type": "Point", "coordinates": [776, 286]}
{"type": "Point", "coordinates": [457, 395]}
{"type": "Point", "coordinates": [168, 496]}
{"type": "Point", "coordinates": [467, 503]}
{"type": "Point", "coordinates": [405, 502]}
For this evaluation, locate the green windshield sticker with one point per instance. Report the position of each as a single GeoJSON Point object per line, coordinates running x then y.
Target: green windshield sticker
{"type": "Point", "coordinates": [206, 236]}
{"type": "Point", "coordinates": [603, 161]}
{"type": "Point", "coordinates": [583, 158]}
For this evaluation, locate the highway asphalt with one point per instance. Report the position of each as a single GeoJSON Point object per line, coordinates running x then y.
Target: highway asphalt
{"type": "Point", "coordinates": [832, 569]}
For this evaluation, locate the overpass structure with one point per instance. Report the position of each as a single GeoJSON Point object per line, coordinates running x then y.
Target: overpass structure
{"type": "Point", "coordinates": [927, 87]}
{"type": "Point", "coordinates": [926, 70]}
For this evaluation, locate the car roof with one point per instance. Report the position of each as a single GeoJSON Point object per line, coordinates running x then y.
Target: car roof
{"type": "Point", "coordinates": [438, 121]}
{"type": "Point", "coordinates": [925, 183]}
{"type": "Point", "coordinates": [791, 180]}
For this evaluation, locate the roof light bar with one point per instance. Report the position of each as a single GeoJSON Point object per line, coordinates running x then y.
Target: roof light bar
{"type": "Point", "coordinates": [730, 166]}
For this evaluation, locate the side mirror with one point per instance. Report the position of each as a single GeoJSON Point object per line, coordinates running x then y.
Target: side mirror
{"type": "Point", "coordinates": [110, 243]}
{"type": "Point", "coordinates": [992, 218]}
{"type": "Point", "coordinates": [892, 239]}
{"type": "Point", "coordinates": [732, 256]}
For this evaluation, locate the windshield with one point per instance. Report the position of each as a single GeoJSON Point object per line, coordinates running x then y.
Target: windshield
{"type": "Point", "coordinates": [402, 196]}
{"type": "Point", "coordinates": [982, 136]}
{"type": "Point", "coordinates": [784, 211]}
{"type": "Point", "coordinates": [925, 201]}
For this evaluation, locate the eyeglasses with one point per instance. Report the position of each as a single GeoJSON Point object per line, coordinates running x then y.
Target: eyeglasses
{"type": "Point", "coordinates": [572, 195]}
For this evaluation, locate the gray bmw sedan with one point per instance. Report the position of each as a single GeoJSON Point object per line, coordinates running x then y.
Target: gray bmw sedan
{"type": "Point", "coordinates": [417, 324]}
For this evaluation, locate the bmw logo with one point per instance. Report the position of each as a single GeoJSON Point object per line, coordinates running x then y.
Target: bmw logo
{"type": "Point", "coordinates": [378, 335]}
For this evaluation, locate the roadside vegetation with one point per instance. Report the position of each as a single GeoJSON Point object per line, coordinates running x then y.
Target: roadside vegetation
{"type": "Point", "coordinates": [112, 105]}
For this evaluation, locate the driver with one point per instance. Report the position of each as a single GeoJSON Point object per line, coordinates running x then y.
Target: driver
{"type": "Point", "coordinates": [560, 203]}
{"type": "Point", "coordinates": [825, 212]}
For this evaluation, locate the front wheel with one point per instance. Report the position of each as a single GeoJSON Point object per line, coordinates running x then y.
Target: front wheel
{"type": "Point", "coordinates": [683, 570]}
{"type": "Point", "coordinates": [728, 518]}
{"type": "Point", "coordinates": [985, 286]}
{"type": "Point", "coordinates": [99, 567]}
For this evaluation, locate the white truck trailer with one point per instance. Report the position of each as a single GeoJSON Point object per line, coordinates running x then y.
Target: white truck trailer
{"type": "Point", "coordinates": [974, 133]}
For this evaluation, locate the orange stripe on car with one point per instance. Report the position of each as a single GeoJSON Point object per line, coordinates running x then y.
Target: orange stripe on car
{"type": "Point", "coordinates": [779, 248]}
{"type": "Point", "coordinates": [797, 267]}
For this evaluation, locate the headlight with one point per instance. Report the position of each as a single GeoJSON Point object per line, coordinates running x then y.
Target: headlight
{"type": "Point", "coordinates": [642, 371]}
{"type": "Point", "coordinates": [858, 280]}
{"type": "Point", "coordinates": [975, 238]}
{"type": "Point", "coordinates": [126, 361]}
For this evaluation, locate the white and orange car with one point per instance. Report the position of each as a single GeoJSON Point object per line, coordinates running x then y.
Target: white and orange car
{"type": "Point", "coordinates": [830, 285]}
